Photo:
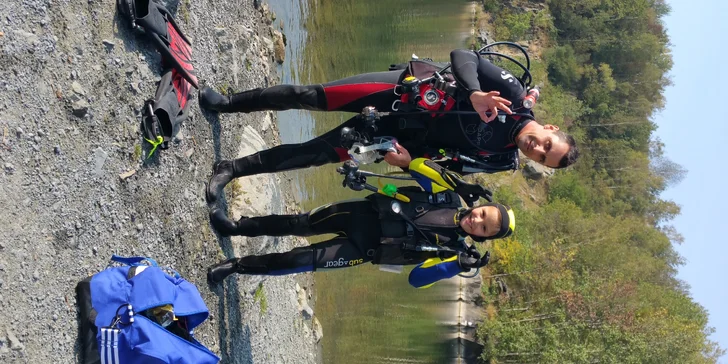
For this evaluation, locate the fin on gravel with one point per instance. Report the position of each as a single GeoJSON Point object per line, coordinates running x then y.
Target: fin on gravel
{"type": "Point", "coordinates": [165, 34]}
{"type": "Point", "coordinates": [163, 115]}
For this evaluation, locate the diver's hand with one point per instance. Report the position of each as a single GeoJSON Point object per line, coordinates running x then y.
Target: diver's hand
{"type": "Point", "coordinates": [400, 159]}
{"type": "Point", "coordinates": [473, 251]}
{"type": "Point", "coordinates": [470, 192]}
{"type": "Point", "coordinates": [468, 262]}
{"type": "Point", "coordinates": [489, 101]}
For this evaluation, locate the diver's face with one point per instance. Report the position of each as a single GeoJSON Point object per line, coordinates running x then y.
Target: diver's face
{"type": "Point", "coordinates": [543, 145]}
{"type": "Point", "coordinates": [483, 221]}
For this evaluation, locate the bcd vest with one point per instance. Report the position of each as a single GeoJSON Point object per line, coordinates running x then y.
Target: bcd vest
{"type": "Point", "coordinates": [434, 217]}
{"type": "Point", "coordinates": [437, 97]}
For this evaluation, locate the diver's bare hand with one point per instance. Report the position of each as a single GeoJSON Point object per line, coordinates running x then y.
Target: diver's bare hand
{"type": "Point", "coordinates": [489, 101]}
{"type": "Point", "coordinates": [400, 159]}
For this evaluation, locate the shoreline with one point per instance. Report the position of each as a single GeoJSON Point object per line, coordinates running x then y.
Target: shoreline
{"type": "Point", "coordinates": [76, 187]}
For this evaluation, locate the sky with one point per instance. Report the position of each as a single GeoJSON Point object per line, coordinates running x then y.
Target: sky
{"type": "Point", "coordinates": [694, 127]}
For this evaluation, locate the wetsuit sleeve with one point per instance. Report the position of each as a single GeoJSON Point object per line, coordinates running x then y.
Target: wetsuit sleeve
{"type": "Point", "coordinates": [474, 73]}
{"type": "Point", "coordinates": [433, 270]}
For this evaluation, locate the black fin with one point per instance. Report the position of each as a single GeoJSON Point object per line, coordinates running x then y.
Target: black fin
{"type": "Point", "coordinates": [163, 115]}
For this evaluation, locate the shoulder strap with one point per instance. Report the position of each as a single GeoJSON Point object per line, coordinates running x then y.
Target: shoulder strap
{"type": "Point", "coordinates": [133, 261]}
{"type": "Point", "coordinates": [137, 261]}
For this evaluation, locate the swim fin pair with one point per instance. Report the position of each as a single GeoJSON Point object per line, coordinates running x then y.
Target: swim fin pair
{"type": "Point", "coordinates": [157, 22]}
{"type": "Point", "coordinates": [162, 116]}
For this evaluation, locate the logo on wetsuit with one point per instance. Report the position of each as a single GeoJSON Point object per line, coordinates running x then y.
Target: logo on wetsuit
{"type": "Point", "coordinates": [479, 133]}
{"type": "Point", "coordinates": [341, 262]}
{"type": "Point", "coordinates": [507, 76]}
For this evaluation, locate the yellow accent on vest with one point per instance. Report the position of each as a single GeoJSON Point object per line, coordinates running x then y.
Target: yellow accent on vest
{"type": "Point", "coordinates": [439, 184]}
{"type": "Point", "coordinates": [435, 261]}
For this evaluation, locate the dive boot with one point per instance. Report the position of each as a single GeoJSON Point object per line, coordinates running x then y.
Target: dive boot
{"type": "Point", "coordinates": [223, 225]}
{"type": "Point", "coordinates": [246, 265]}
{"type": "Point", "coordinates": [218, 272]}
{"type": "Point", "coordinates": [222, 173]}
{"type": "Point", "coordinates": [246, 101]}
{"type": "Point", "coordinates": [211, 100]}
{"type": "Point", "coordinates": [274, 98]}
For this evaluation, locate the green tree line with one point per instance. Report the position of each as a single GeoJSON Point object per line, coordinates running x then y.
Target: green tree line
{"type": "Point", "coordinates": [591, 270]}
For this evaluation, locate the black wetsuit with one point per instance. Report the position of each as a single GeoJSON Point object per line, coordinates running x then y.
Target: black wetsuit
{"type": "Point", "coordinates": [361, 226]}
{"type": "Point", "coordinates": [465, 133]}
{"type": "Point", "coordinates": [355, 222]}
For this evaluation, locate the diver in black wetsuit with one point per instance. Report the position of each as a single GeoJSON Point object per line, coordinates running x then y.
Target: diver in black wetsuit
{"type": "Point", "coordinates": [481, 87]}
{"type": "Point", "coordinates": [428, 228]}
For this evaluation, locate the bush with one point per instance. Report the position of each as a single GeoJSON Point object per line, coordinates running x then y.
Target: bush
{"type": "Point", "coordinates": [519, 25]}
{"type": "Point", "coordinates": [491, 6]}
{"type": "Point", "coordinates": [564, 68]}
{"type": "Point", "coordinates": [558, 107]}
{"type": "Point", "coordinates": [568, 186]}
{"type": "Point", "coordinates": [506, 196]}
{"type": "Point", "coordinates": [544, 20]}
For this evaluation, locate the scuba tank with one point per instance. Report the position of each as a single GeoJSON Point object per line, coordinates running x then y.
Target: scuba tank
{"type": "Point", "coordinates": [531, 98]}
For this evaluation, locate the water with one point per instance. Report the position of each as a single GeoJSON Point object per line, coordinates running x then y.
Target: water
{"type": "Point", "coordinates": [295, 125]}
{"type": "Point", "coordinates": [368, 316]}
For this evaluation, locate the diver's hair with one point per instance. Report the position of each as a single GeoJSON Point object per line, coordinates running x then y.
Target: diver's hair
{"type": "Point", "coordinates": [572, 155]}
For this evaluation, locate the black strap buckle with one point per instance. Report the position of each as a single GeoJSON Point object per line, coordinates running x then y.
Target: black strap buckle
{"type": "Point", "coordinates": [440, 198]}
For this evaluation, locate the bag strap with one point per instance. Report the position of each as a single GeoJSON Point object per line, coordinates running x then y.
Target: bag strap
{"type": "Point", "coordinates": [137, 261]}
{"type": "Point", "coordinates": [134, 261]}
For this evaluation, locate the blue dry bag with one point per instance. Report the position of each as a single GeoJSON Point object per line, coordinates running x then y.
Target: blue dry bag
{"type": "Point", "coordinates": [120, 316]}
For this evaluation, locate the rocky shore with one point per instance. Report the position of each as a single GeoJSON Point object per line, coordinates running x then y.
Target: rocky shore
{"type": "Point", "coordinates": [76, 186]}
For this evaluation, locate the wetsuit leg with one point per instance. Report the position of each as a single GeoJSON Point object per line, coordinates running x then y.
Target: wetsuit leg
{"type": "Point", "coordinates": [348, 94]}
{"type": "Point", "coordinates": [369, 89]}
{"type": "Point", "coordinates": [340, 252]}
{"type": "Point", "coordinates": [357, 224]}
{"type": "Point", "coordinates": [315, 152]}
{"type": "Point", "coordinates": [336, 218]}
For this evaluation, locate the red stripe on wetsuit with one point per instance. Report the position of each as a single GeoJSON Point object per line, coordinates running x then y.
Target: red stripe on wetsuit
{"type": "Point", "coordinates": [340, 95]}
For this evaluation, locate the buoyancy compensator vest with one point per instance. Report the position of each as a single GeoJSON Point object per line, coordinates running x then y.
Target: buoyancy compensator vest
{"type": "Point", "coordinates": [428, 219]}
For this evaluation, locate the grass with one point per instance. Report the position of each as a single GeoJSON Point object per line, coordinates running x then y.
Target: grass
{"type": "Point", "coordinates": [184, 10]}
{"type": "Point", "coordinates": [236, 189]}
{"type": "Point", "coordinates": [259, 296]}
{"type": "Point", "coordinates": [137, 152]}
{"type": "Point", "coordinates": [490, 311]}
{"type": "Point", "coordinates": [225, 89]}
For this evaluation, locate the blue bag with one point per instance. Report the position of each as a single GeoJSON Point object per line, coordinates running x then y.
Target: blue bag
{"type": "Point", "coordinates": [112, 303]}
